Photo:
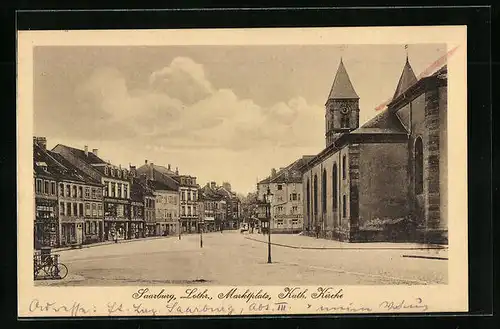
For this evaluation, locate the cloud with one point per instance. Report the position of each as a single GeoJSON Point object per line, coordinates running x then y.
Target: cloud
{"type": "Point", "coordinates": [180, 109]}
{"type": "Point", "coordinates": [183, 79]}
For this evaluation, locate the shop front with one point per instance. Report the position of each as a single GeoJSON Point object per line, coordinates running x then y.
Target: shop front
{"type": "Point", "coordinates": [72, 233]}
{"type": "Point", "coordinates": [46, 224]}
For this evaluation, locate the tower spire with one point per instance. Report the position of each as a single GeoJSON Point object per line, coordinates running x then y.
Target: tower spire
{"type": "Point", "coordinates": [407, 78]}
{"type": "Point", "coordinates": [342, 87]}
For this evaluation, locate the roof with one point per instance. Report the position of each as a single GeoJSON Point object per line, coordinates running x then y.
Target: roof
{"type": "Point", "coordinates": [45, 163]}
{"type": "Point", "coordinates": [159, 175]}
{"type": "Point", "coordinates": [385, 122]}
{"type": "Point", "coordinates": [342, 86]}
{"type": "Point", "coordinates": [406, 80]}
{"type": "Point", "coordinates": [290, 174]}
{"type": "Point", "coordinates": [90, 158]}
{"type": "Point", "coordinates": [139, 190]}
{"type": "Point", "coordinates": [158, 185]}
{"type": "Point", "coordinates": [73, 168]}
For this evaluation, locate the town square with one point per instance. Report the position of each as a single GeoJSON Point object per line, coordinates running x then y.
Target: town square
{"type": "Point", "coordinates": [187, 174]}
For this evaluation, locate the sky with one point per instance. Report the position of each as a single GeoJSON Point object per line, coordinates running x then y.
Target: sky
{"type": "Point", "coordinates": [220, 113]}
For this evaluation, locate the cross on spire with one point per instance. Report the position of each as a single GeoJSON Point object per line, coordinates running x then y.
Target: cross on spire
{"type": "Point", "coordinates": [406, 50]}
{"type": "Point", "coordinates": [342, 48]}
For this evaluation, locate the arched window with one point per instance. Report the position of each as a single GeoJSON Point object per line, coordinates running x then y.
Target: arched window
{"type": "Point", "coordinates": [323, 191]}
{"type": "Point", "coordinates": [344, 121]}
{"type": "Point", "coordinates": [419, 166]}
{"type": "Point", "coordinates": [308, 198]}
{"type": "Point", "coordinates": [344, 165]}
{"type": "Point", "coordinates": [344, 206]}
{"type": "Point", "coordinates": [315, 194]}
{"type": "Point", "coordinates": [334, 186]}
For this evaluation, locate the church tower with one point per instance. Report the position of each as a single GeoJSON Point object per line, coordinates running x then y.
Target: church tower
{"type": "Point", "coordinates": [342, 106]}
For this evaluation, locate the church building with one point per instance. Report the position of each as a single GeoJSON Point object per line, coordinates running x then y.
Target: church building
{"type": "Point", "coordinates": [387, 179]}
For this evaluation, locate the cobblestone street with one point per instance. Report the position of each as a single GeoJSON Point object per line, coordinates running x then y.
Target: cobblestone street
{"type": "Point", "coordinates": [231, 258]}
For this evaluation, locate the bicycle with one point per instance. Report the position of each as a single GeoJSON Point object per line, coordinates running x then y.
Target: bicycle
{"type": "Point", "coordinates": [49, 267]}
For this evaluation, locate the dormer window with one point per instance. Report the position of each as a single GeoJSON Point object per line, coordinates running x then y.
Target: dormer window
{"type": "Point", "coordinates": [125, 174]}
{"type": "Point", "coordinates": [119, 172]}
{"type": "Point", "coordinates": [106, 171]}
{"type": "Point", "coordinates": [112, 172]}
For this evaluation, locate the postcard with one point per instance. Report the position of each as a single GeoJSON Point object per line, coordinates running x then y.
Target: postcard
{"type": "Point", "coordinates": [239, 172]}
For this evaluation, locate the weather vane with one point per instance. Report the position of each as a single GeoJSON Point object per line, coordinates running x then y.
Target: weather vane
{"type": "Point", "coordinates": [406, 50]}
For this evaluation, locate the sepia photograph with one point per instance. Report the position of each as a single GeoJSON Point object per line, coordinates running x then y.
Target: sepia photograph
{"type": "Point", "coordinates": [309, 167]}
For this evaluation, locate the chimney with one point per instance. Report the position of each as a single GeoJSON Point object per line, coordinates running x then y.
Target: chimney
{"type": "Point", "coordinates": [41, 141]}
{"type": "Point", "coordinates": [95, 151]}
{"type": "Point", "coordinates": [133, 171]}
{"type": "Point", "coordinates": [169, 166]}
{"type": "Point", "coordinates": [144, 178]}
{"type": "Point", "coordinates": [273, 172]}
{"type": "Point", "coordinates": [151, 171]}
{"type": "Point", "coordinates": [213, 185]}
{"type": "Point", "coordinates": [177, 170]}
{"type": "Point", "coordinates": [145, 161]}
{"type": "Point", "coordinates": [86, 150]}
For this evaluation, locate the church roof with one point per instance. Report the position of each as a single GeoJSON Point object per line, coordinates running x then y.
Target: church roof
{"type": "Point", "coordinates": [385, 122]}
{"type": "Point", "coordinates": [406, 80]}
{"type": "Point", "coordinates": [342, 87]}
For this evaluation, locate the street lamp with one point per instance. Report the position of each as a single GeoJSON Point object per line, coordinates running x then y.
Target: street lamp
{"type": "Point", "coordinates": [180, 228]}
{"type": "Point", "coordinates": [202, 224]}
{"type": "Point", "coordinates": [268, 198]}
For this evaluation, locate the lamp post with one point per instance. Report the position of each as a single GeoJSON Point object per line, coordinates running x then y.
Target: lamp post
{"type": "Point", "coordinates": [201, 233]}
{"type": "Point", "coordinates": [268, 198]}
{"type": "Point", "coordinates": [180, 228]}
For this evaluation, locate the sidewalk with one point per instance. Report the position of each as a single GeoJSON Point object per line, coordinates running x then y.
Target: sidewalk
{"type": "Point", "coordinates": [104, 243]}
{"type": "Point", "coordinates": [296, 241]}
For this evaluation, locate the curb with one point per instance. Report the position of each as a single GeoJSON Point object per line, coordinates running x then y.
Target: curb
{"type": "Point", "coordinates": [112, 242]}
{"type": "Point", "coordinates": [349, 248]}
{"type": "Point", "coordinates": [425, 257]}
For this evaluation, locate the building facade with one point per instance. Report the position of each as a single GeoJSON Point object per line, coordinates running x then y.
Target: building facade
{"type": "Point", "coordinates": [214, 207]}
{"type": "Point", "coordinates": [166, 208]}
{"type": "Point", "coordinates": [77, 216]}
{"type": "Point", "coordinates": [116, 191]}
{"type": "Point", "coordinates": [385, 180]}
{"type": "Point", "coordinates": [287, 205]}
{"type": "Point", "coordinates": [188, 190]}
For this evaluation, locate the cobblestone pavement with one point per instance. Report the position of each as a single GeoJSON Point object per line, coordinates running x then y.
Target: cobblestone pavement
{"type": "Point", "coordinates": [231, 258]}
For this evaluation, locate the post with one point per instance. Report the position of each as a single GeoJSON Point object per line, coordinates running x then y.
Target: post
{"type": "Point", "coordinates": [269, 235]}
{"type": "Point", "coordinates": [201, 236]}
{"type": "Point", "coordinates": [180, 228]}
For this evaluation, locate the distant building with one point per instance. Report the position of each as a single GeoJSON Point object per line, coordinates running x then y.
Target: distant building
{"type": "Point", "coordinates": [166, 207]}
{"type": "Point", "coordinates": [214, 206]}
{"type": "Point", "coordinates": [167, 203]}
{"type": "Point", "coordinates": [286, 187]}
{"type": "Point", "coordinates": [233, 206]}
{"type": "Point", "coordinates": [140, 190]}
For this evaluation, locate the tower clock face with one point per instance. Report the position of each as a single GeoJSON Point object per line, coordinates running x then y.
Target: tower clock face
{"type": "Point", "coordinates": [345, 108]}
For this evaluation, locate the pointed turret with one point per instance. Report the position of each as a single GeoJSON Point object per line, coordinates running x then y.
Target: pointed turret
{"type": "Point", "coordinates": [342, 87]}
{"type": "Point", "coordinates": [406, 80]}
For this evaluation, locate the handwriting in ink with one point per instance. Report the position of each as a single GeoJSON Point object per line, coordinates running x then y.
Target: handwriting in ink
{"type": "Point", "coordinates": [401, 305]}
{"type": "Point", "coordinates": [189, 309]}
{"type": "Point", "coordinates": [74, 309]}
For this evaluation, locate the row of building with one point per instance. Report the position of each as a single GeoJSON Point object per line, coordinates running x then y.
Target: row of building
{"type": "Point", "coordinates": [384, 180]}
{"type": "Point", "coordinates": [82, 199]}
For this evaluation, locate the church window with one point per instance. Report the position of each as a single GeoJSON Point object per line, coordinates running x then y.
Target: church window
{"type": "Point", "coordinates": [419, 166]}
{"type": "Point", "coordinates": [343, 167]}
{"type": "Point", "coordinates": [315, 194]}
{"type": "Point", "coordinates": [344, 206]}
{"type": "Point", "coordinates": [334, 186]}
{"type": "Point", "coordinates": [344, 121]}
{"type": "Point", "coordinates": [323, 191]}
